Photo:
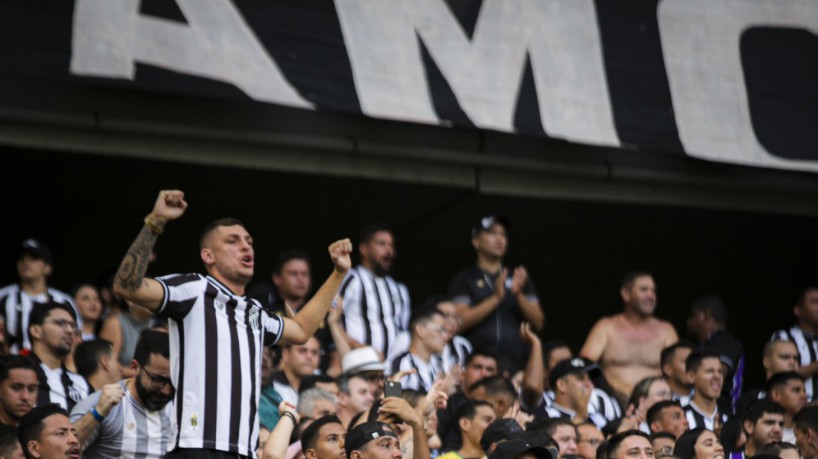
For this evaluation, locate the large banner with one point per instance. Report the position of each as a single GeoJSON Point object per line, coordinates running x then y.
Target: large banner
{"type": "Point", "coordinates": [730, 80]}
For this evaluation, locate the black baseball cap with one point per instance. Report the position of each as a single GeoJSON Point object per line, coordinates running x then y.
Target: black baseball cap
{"type": "Point", "coordinates": [364, 433]}
{"type": "Point", "coordinates": [485, 224]}
{"type": "Point", "coordinates": [35, 248]}
{"type": "Point", "coordinates": [501, 429]}
{"type": "Point", "coordinates": [574, 365]}
{"type": "Point", "coordinates": [513, 448]}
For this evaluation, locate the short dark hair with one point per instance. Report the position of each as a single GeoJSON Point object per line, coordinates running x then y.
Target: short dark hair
{"type": "Point", "coordinates": [694, 360]}
{"type": "Point", "coordinates": [630, 277]}
{"type": "Point", "coordinates": [41, 311]}
{"type": "Point", "coordinates": [14, 362]}
{"type": "Point", "coordinates": [669, 352]}
{"type": "Point", "coordinates": [88, 353]}
{"type": "Point", "coordinates": [8, 440]}
{"type": "Point", "coordinates": [151, 342]}
{"type": "Point", "coordinates": [495, 385]}
{"type": "Point", "coordinates": [482, 352]}
{"type": "Point", "coordinates": [549, 426]}
{"type": "Point", "coordinates": [656, 410]}
{"type": "Point", "coordinates": [310, 381]}
{"type": "Point", "coordinates": [287, 256]}
{"type": "Point", "coordinates": [616, 441]}
{"type": "Point", "coordinates": [468, 410]}
{"type": "Point", "coordinates": [781, 379]}
{"type": "Point", "coordinates": [806, 418]}
{"type": "Point", "coordinates": [215, 224]}
{"type": "Point", "coordinates": [309, 437]}
{"type": "Point", "coordinates": [31, 424]}
{"type": "Point", "coordinates": [713, 305]}
{"type": "Point", "coordinates": [369, 231]}
{"type": "Point", "coordinates": [665, 435]}
{"type": "Point", "coordinates": [423, 317]}
{"type": "Point", "coordinates": [757, 410]}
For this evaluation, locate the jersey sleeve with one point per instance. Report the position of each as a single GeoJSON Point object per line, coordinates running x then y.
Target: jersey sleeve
{"type": "Point", "coordinates": [180, 294]}
{"type": "Point", "coordinates": [273, 328]}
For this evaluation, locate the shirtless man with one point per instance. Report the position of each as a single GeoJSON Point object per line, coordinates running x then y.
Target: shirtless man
{"type": "Point", "coordinates": [627, 346]}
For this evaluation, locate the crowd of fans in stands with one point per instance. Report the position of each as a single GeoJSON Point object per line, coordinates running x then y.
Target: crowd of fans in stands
{"type": "Point", "coordinates": [466, 374]}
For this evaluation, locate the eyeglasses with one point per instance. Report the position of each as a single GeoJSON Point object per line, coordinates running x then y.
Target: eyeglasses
{"type": "Point", "coordinates": [64, 323]}
{"type": "Point", "coordinates": [158, 382]}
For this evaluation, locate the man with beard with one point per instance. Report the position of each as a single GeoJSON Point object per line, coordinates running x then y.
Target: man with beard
{"type": "Point", "coordinates": [627, 346]}
{"type": "Point", "coordinates": [131, 418]}
{"type": "Point", "coordinates": [52, 327]}
{"type": "Point", "coordinates": [18, 388]}
{"type": "Point", "coordinates": [376, 307]}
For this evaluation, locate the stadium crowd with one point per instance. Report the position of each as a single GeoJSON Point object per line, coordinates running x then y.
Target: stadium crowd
{"type": "Point", "coordinates": [198, 365]}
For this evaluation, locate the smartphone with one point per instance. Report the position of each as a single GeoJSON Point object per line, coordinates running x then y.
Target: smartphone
{"type": "Point", "coordinates": [392, 389]}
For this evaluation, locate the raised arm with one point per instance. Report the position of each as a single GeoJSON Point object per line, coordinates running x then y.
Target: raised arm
{"type": "Point", "coordinates": [301, 327]}
{"type": "Point", "coordinates": [130, 282]}
{"type": "Point", "coordinates": [534, 374]}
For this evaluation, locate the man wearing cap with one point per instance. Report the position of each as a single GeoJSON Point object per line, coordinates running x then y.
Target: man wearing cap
{"type": "Point", "coordinates": [376, 306]}
{"type": "Point", "coordinates": [365, 363]}
{"type": "Point", "coordinates": [378, 440]}
{"type": "Point", "coordinates": [572, 391]}
{"type": "Point", "coordinates": [491, 299]}
{"type": "Point", "coordinates": [34, 266]}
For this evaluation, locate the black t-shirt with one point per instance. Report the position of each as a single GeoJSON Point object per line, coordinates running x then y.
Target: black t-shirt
{"type": "Point", "coordinates": [500, 330]}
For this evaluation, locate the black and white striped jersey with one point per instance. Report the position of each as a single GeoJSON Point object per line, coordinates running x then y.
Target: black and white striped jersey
{"type": "Point", "coordinates": [16, 306]}
{"type": "Point", "coordinates": [455, 353]}
{"type": "Point", "coordinates": [807, 346]}
{"type": "Point", "coordinates": [129, 430]}
{"type": "Point", "coordinates": [375, 308]}
{"type": "Point", "coordinates": [423, 378]}
{"type": "Point", "coordinates": [698, 418]}
{"type": "Point", "coordinates": [216, 339]}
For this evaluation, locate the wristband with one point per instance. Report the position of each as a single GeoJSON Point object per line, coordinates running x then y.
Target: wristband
{"type": "Point", "coordinates": [155, 229]}
{"type": "Point", "coordinates": [96, 414]}
{"type": "Point", "coordinates": [287, 414]}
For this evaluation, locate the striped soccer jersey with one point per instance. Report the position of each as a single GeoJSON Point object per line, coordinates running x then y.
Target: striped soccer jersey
{"type": "Point", "coordinates": [216, 339]}
{"type": "Point", "coordinates": [128, 431]}
{"type": "Point", "coordinates": [16, 306]}
{"type": "Point", "coordinates": [375, 308]}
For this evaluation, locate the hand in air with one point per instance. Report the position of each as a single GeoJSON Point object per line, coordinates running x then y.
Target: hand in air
{"type": "Point", "coordinates": [170, 205]}
{"type": "Point", "coordinates": [339, 251]}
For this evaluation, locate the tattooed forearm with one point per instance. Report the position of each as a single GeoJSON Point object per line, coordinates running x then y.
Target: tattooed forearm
{"type": "Point", "coordinates": [135, 264]}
